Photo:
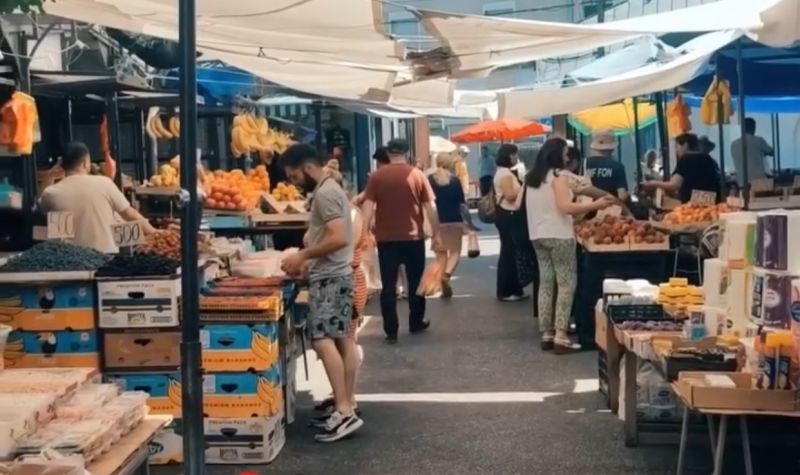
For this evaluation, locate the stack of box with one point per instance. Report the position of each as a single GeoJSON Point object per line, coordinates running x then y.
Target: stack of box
{"type": "Point", "coordinates": [242, 392]}
{"type": "Point", "coordinates": [53, 321]}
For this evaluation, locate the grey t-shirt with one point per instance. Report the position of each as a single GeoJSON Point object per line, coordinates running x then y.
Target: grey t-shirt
{"type": "Point", "coordinates": [330, 202]}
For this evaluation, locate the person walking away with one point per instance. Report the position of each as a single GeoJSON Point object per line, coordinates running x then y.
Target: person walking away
{"type": "Point", "coordinates": [757, 151]}
{"type": "Point", "coordinates": [606, 172]}
{"type": "Point", "coordinates": [398, 196]}
{"type": "Point", "coordinates": [550, 207]}
{"type": "Point", "coordinates": [327, 259]}
{"type": "Point", "coordinates": [487, 169]}
{"type": "Point", "coordinates": [695, 171]}
{"type": "Point", "coordinates": [460, 169]}
{"type": "Point", "coordinates": [94, 201]}
{"type": "Point", "coordinates": [451, 206]}
{"type": "Point", "coordinates": [508, 192]}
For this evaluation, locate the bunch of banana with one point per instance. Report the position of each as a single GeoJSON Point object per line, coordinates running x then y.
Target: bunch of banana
{"type": "Point", "coordinates": [14, 351]}
{"type": "Point", "coordinates": [156, 130]}
{"type": "Point", "coordinates": [269, 394]}
{"type": "Point", "coordinates": [13, 301]}
{"type": "Point", "coordinates": [174, 393]}
{"type": "Point", "coordinates": [174, 126]}
{"type": "Point", "coordinates": [252, 134]}
{"type": "Point", "coordinates": [264, 348]}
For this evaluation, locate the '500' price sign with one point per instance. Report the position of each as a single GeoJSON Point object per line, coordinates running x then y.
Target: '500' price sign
{"type": "Point", "coordinates": [127, 234]}
{"type": "Point", "coordinates": [60, 225]}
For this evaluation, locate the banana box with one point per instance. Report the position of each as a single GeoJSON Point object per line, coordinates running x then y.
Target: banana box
{"type": "Point", "coordinates": [139, 303]}
{"type": "Point", "coordinates": [67, 349]}
{"type": "Point", "coordinates": [250, 440]}
{"type": "Point", "coordinates": [224, 394]}
{"type": "Point", "coordinates": [50, 307]}
{"type": "Point", "coordinates": [136, 349]}
{"type": "Point", "coordinates": [239, 347]}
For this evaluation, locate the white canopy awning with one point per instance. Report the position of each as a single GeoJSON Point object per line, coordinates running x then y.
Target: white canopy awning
{"type": "Point", "coordinates": [654, 77]}
{"type": "Point", "coordinates": [332, 49]}
{"type": "Point", "coordinates": [480, 44]}
{"type": "Point", "coordinates": [647, 50]}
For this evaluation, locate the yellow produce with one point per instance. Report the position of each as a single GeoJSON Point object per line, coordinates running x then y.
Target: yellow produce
{"type": "Point", "coordinates": [235, 190]}
{"type": "Point", "coordinates": [286, 192]}
{"type": "Point", "coordinates": [252, 134]}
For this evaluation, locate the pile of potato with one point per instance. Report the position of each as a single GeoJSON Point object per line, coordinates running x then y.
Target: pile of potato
{"type": "Point", "coordinates": [618, 230]}
{"type": "Point", "coordinates": [690, 213]}
{"type": "Point", "coordinates": [167, 243]}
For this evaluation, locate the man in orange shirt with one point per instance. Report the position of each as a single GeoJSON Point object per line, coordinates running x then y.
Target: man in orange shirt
{"type": "Point", "coordinates": [399, 197]}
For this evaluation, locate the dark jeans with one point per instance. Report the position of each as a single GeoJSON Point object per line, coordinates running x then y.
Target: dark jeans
{"type": "Point", "coordinates": [507, 278]}
{"type": "Point", "coordinates": [486, 183]}
{"type": "Point", "coordinates": [391, 255]}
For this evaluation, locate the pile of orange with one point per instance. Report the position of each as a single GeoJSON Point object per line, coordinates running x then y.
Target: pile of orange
{"type": "Point", "coordinates": [236, 190]}
{"type": "Point", "coordinates": [690, 213]}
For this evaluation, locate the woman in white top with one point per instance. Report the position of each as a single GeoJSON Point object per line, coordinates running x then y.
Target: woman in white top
{"type": "Point", "coordinates": [508, 196]}
{"type": "Point", "coordinates": [550, 207]}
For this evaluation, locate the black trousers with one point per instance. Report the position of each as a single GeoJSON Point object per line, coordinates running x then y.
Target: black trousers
{"type": "Point", "coordinates": [391, 255]}
{"type": "Point", "coordinates": [507, 278]}
{"type": "Point", "coordinates": [486, 183]}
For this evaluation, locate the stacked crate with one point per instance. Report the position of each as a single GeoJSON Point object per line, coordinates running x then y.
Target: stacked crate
{"type": "Point", "coordinates": [53, 320]}
{"type": "Point", "coordinates": [242, 384]}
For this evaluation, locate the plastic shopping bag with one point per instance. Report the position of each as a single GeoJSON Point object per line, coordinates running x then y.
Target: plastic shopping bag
{"type": "Point", "coordinates": [431, 282]}
{"type": "Point", "coordinates": [473, 248]}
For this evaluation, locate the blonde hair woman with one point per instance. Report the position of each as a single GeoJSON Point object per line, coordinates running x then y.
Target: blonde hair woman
{"type": "Point", "coordinates": [451, 207]}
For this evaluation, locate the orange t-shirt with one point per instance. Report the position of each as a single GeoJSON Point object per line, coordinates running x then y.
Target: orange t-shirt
{"type": "Point", "coordinates": [398, 191]}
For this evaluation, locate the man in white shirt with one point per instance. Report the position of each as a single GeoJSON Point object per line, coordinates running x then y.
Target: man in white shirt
{"type": "Point", "coordinates": [94, 201]}
{"type": "Point", "coordinates": [757, 150]}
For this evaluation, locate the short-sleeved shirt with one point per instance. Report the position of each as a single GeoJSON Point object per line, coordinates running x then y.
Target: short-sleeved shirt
{"type": "Point", "coordinates": [607, 174]}
{"type": "Point", "coordinates": [449, 199]}
{"type": "Point", "coordinates": [501, 174]}
{"type": "Point", "coordinates": [94, 202]}
{"type": "Point", "coordinates": [329, 203]}
{"type": "Point", "coordinates": [699, 172]}
{"type": "Point", "coordinates": [757, 150]}
{"type": "Point", "coordinates": [399, 192]}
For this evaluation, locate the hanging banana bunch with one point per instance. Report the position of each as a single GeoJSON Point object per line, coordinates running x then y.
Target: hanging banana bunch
{"type": "Point", "coordinates": [252, 134]}
{"type": "Point", "coordinates": [155, 126]}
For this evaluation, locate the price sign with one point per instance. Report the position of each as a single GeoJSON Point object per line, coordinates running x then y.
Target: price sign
{"type": "Point", "coordinates": [735, 202]}
{"type": "Point", "coordinates": [127, 234]}
{"type": "Point", "coordinates": [60, 225]}
{"type": "Point", "coordinates": [613, 210]}
{"type": "Point", "coordinates": [705, 198]}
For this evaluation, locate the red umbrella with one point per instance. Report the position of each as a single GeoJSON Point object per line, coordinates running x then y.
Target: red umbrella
{"type": "Point", "coordinates": [500, 130]}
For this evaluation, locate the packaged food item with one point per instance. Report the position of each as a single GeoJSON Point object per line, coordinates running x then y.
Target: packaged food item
{"type": "Point", "coordinates": [86, 400]}
{"type": "Point", "coordinates": [87, 437]}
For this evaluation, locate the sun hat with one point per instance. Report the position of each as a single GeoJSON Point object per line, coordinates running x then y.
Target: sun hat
{"type": "Point", "coordinates": [706, 144]}
{"type": "Point", "coordinates": [603, 140]}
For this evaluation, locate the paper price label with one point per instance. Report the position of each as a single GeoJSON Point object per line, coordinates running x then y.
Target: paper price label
{"type": "Point", "coordinates": [613, 210]}
{"type": "Point", "coordinates": [60, 225]}
{"type": "Point", "coordinates": [705, 198]}
{"type": "Point", "coordinates": [735, 202]}
{"type": "Point", "coordinates": [127, 234]}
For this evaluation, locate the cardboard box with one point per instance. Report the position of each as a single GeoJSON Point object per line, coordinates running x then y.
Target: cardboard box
{"type": "Point", "coordinates": [224, 394]}
{"type": "Point", "coordinates": [49, 307]}
{"type": "Point", "coordinates": [142, 349]}
{"type": "Point", "coordinates": [255, 440]}
{"type": "Point", "coordinates": [239, 347]}
{"type": "Point", "coordinates": [744, 397]}
{"type": "Point", "coordinates": [139, 303]}
{"type": "Point", "coordinates": [67, 349]}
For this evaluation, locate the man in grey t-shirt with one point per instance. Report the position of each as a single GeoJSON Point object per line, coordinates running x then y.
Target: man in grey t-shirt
{"type": "Point", "coordinates": [327, 256]}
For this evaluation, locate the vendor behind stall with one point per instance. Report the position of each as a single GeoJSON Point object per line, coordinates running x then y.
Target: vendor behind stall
{"type": "Point", "coordinates": [606, 172]}
{"type": "Point", "coordinates": [696, 170]}
{"type": "Point", "coordinates": [93, 201]}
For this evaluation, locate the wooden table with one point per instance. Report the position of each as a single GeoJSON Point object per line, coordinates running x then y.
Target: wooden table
{"type": "Point", "coordinates": [129, 455]}
{"type": "Point", "coordinates": [719, 438]}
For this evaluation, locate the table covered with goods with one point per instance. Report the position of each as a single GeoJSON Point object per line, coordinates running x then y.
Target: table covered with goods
{"type": "Point", "coordinates": [65, 308]}
{"type": "Point", "coordinates": [672, 354]}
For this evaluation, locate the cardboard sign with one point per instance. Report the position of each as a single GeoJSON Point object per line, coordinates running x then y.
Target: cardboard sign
{"type": "Point", "coordinates": [705, 198]}
{"type": "Point", "coordinates": [127, 234]}
{"type": "Point", "coordinates": [60, 225]}
{"type": "Point", "coordinates": [735, 202]}
{"type": "Point", "coordinates": [613, 210]}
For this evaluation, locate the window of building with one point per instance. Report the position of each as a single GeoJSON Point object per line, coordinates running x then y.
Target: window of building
{"type": "Point", "coordinates": [506, 9]}
{"type": "Point", "coordinates": [404, 26]}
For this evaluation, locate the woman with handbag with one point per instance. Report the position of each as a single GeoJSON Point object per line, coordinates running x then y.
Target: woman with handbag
{"type": "Point", "coordinates": [508, 198]}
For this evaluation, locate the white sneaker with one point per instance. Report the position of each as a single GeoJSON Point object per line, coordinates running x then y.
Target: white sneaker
{"type": "Point", "coordinates": [339, 427]}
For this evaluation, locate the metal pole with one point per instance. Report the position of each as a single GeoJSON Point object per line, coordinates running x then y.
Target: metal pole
{"type": "Point", "coordinates": [637, 145]}
{"type": "Point", "coordinates": [663, 136]}
{"type": "Point", "coordinates": [721, 127]}
{"type": "Point", "coordinates": [191, 378]}
{"type": "Point", "coordinates": [601, 18]}
{"type": "Point", "coordinates": [740, 90]}
{"type": "Point", "coordinates": [776, 145]}
{"type": "Point", "coordinates": [112, 121]}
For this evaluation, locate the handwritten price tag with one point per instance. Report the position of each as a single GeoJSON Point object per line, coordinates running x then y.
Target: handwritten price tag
{"type": "Point", "coordinates": [127, 234]}
{"type": "Point", "coordinates": [613, 210]}
{"type": "Point", "coordinates": [60, 225]}
{"type": "Point", "coordinates": [705, 198]}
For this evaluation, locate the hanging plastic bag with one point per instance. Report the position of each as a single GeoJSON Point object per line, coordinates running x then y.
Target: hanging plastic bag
{"type": "Point", "coordinates": [473, 248]}
{"type": "Point", "coordinates": [431, 282]}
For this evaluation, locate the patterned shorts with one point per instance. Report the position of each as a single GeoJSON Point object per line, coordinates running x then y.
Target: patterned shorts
{"type": "Point", "coordinates": [330, 307]}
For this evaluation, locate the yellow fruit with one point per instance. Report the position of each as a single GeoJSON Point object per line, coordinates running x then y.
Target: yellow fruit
{"type": "Point", "coordinates": [156, 180]}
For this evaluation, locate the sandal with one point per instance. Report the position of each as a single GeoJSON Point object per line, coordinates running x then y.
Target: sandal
{"type": "Point", "coordinates": [547, 342]}
{"type": "Point", "coordinates": [565, 347]}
